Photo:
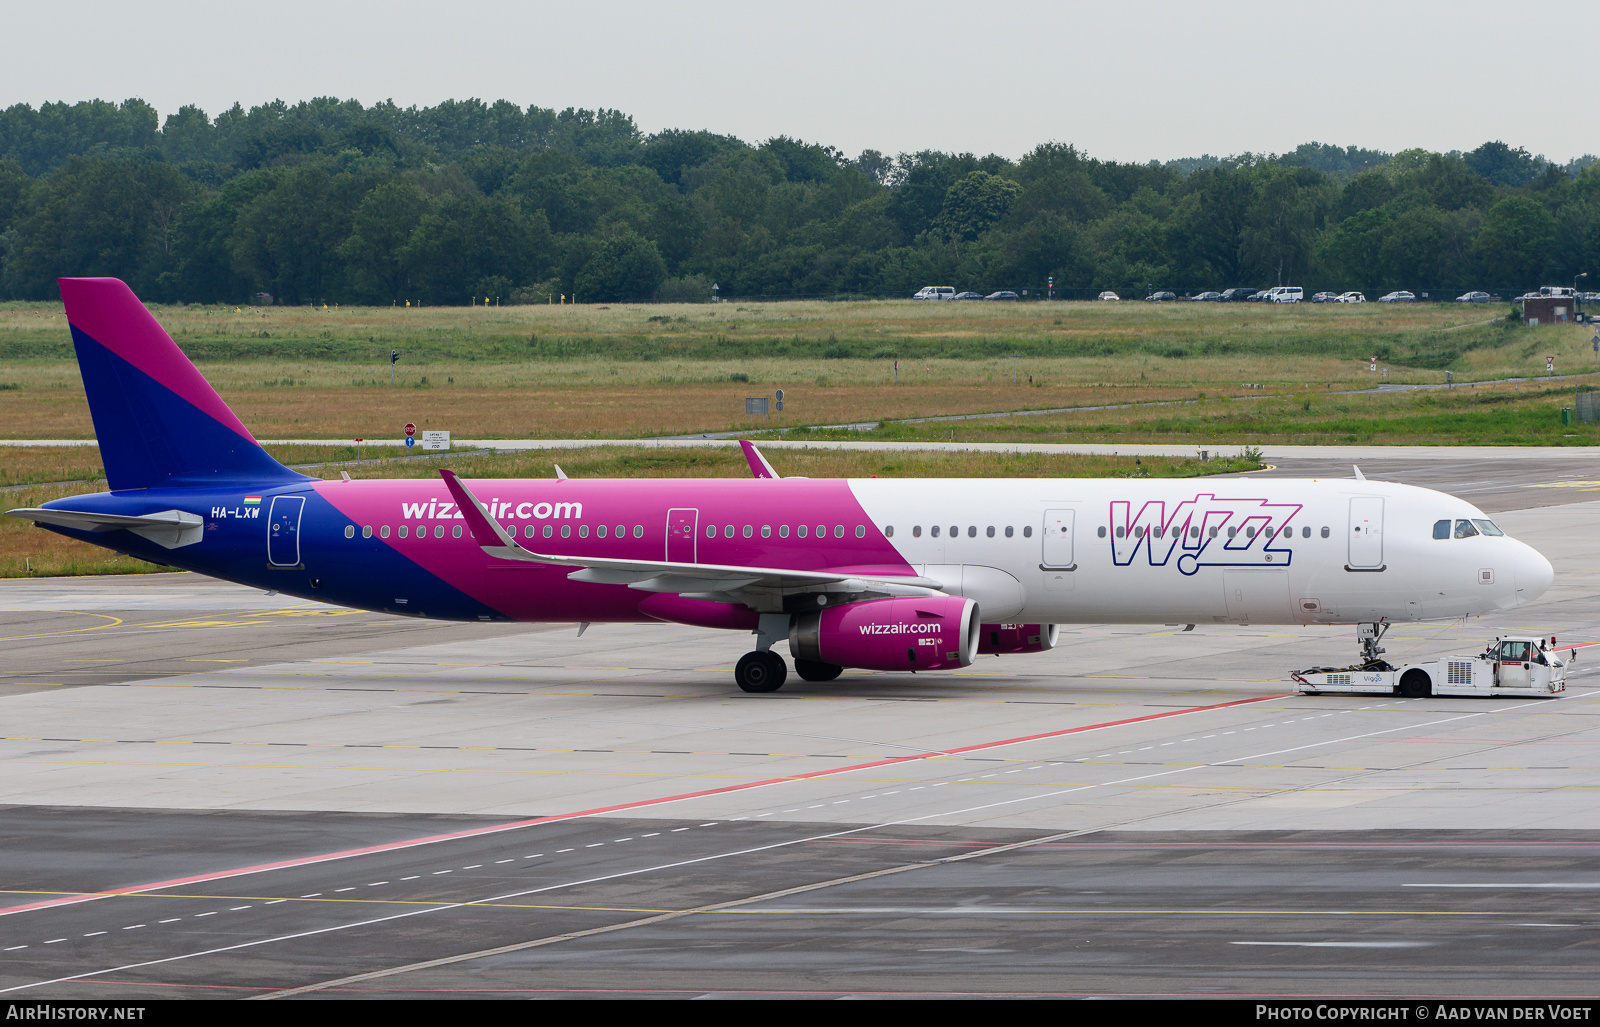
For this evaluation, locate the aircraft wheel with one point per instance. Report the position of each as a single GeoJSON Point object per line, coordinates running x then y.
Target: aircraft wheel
{"type": "Point", "coordinates": [816, 670]}
{"type": "Point", "coordinates": [1416, 685]}
{"type": "Point", "coordinates": [760, 672]}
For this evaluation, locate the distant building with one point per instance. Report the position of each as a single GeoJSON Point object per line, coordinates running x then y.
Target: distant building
{"type": "Point", "coordinates": [1548, 310]}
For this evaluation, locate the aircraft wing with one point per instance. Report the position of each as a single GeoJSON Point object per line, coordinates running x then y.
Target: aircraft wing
{"type": "Point", "coordinates": [728, 583]}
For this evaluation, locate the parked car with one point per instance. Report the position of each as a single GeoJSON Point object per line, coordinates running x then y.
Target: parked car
{"type": "Point", "coordinates": [1161, 297]}
{"type": "Point", "coordinates": [1282, 294]}
{"type": "Point", "coordinates": [1002, 295]}
{"type": "Point", "coordinates": [1206, 297]}
{"type": "Point", "coordinates": [1398, 296]}
{"type": "Point", "coordinates": [1237, 295]}
{"type": "Point", "coordinates": [1111, 296]}
{"type": "Point", "coordinates": [935, 292]}
{"type": "Point", "coordinates": [1325, 297]}
{"type": "Point", "coordinates": [1473, 297]}
{"type": "Point", "coordinates": [967, 296]}
{"type": "Point", "coordinates": [1352, 297]}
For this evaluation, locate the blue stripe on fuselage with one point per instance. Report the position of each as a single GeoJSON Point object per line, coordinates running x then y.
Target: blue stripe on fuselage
{"type": "Point", "coordinates": [365, 573]}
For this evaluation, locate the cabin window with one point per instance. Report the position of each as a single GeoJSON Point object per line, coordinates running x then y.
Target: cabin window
{"type": "Point", "coordinates": [1027, 532]}
{"type": "Point", "coordinates": [747, 531]}
{"type": "Point", "coordinates": [711, 531]}
{"type": "Point", "coordinates": [566, 531]}
{"type": "Point", "coordinates": [455, 531]}
{"type": "Point", "coordinates": [783, 531]}
{"type": "Point", "coordinates": [349, 531]}
{"type": "Point", "coordinates": [888, 531]}
{"type": "Point", "coordinates": [1010, 530]}
{"type": "Point", "coordinates": [528, 531]}
{"type": "Point", "coordinates": [438, 531]}
{"type": "Point", "coordinates": [599, 531]}
{"type": "Point", "coordinates": [766, 531]}
{"type": "Point", "coordinates": [1194, 532]}
{"type": "Point", "coordinates": [727, 531]}
{"type": "Point", "coordinates": [989, 531]}
{"type": "Point", "coordinates": [1324, 531]}
{"type": "Point", "coordinates": [548, 531]}
{"type": "Point", "coordinates": [1305, 532]}
{"type": "Point", "coordinates": [1464, 529]}
{"type": "Point", "coordinates": [861, 531]}
{"type": "Point", "coordinates": [1250, 533]}
{"type": "Point", "coordinates": [1121, 532]}
{"type": "Point", "coordinates": [972, 531]}
{"type": "Point", "coordinates": [1232, 532]}
{"type": "Point", "coordinates": [955, 530]}
{"type": "Point", "coordinates": [822, 531]}
{"type": "Point", "coordinates": [402, 531]}
{"type": "Point", "coordinates": [1100, 530]}
{"type": "Point", "coordinates": [838, 531]}
{"type": "Point", "coordinates": [916, 531]}
{"type": "Point", "coordinates": [366, 531]}
{"type": "Point", "coordinates": [383, 532]}
{"type": "Point", "coordinates": [802, 531]}
{"type": "Point", "coordinates": [638, 531]}
{"type": "Point", "coordinates": [583, 531]}
{"type": "Point", "coordinates": [934, 531]}
{"type": "Point", "coordinates": [1213, 532]}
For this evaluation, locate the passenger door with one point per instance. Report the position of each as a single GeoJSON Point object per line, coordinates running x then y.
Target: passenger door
{"type": "Point", "coordinates": [1366, 534]}
{"type": "Point", "coordinates": [283, 531]}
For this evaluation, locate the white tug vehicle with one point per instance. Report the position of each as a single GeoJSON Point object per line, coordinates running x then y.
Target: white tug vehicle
{"type": "Point", "coordinates": [1511, 665]}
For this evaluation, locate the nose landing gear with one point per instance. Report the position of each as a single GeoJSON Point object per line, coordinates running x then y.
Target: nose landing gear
{"type": "Point", "coordinates": [1369, 635]}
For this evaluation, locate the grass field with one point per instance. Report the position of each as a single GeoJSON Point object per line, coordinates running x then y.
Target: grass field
{"type": "Point", "coordinates": [633, 371]}
{"type": "Point", "coordinates": [25, 549]}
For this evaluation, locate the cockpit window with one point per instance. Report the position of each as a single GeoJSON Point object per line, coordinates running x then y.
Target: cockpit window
{"type": "Point", "coordinates": [1464, 529]}
{"type": "Point", "coordinates": [1441, 529]}
{"type": "Point", "coordinates": [1487, 526]}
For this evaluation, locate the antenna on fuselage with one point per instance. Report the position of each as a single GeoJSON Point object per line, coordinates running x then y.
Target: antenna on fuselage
{"type": "Point", "coordinates": [1359, 475]}
{"type": "Point", "coordinates": [560, 474]}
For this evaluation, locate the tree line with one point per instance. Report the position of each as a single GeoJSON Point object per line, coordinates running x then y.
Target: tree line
{"type": "Point", "coordinates": [331, 201]}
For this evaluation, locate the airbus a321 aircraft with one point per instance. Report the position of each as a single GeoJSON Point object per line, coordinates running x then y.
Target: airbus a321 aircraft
{"type": "Point", "coordinates": [879, 574]}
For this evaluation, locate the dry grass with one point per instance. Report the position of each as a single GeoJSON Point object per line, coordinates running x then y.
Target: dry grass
{"type": "Point", "coordinates": [639, 411]}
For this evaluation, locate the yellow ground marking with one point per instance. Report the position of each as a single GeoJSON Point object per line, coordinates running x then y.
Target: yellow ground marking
{"type": "Point", "coordinates": [69, 631]}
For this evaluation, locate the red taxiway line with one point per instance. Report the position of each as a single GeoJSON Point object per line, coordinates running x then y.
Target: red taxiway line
{"type": "Point", "coordinates": [478, 832]}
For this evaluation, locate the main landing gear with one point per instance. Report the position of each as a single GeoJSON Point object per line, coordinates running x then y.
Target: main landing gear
{"type": "Point", "coordinates": [761, 671]}
{"type": "Point", "coordinates": [765, 671]}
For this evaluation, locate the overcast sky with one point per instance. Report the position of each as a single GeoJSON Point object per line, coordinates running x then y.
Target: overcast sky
{"type": "Point", "coordinates": [1133, 80]}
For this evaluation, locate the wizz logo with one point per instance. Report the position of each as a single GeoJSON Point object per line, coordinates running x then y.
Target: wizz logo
{"type": "Point", "coordinates": [1204, 532]}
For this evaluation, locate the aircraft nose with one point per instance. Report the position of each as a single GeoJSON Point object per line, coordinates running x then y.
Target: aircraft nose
{"type": "Point", "coordinates": [1534, 574]}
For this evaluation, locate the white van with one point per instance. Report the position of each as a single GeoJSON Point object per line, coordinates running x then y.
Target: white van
{"type": "Point", "coordinates": [935, 292]}
{"type": "Point", "coordinates": [1285, 294]}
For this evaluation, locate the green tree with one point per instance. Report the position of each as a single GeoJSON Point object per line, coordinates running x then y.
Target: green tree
{"type": "Point", "coordinates": [625, 269]}
{"type": "Point", "coordinates": [1515, 243]}
{"type": "Point", "coordinates": [973, 203]}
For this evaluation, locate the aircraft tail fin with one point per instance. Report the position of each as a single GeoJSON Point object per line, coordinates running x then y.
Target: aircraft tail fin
{"type": "Point", "coordinates": [158, 420]}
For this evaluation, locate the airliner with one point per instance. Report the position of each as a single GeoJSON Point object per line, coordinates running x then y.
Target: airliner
{"type": "Point", "coordinates": [875, 574]}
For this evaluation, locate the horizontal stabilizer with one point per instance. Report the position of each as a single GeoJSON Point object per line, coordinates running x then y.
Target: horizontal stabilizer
{"type": "Point", "coordinates": [170, 529]}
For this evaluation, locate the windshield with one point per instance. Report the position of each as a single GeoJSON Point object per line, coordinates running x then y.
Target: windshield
{"type": "Point", "coordinates": [1487, 526]}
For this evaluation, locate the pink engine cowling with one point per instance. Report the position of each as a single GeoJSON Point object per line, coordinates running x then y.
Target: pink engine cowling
{"type": "Point", "coordinates": [933, 633]}
{"type": "Point", "coordinates": [1005, 639]}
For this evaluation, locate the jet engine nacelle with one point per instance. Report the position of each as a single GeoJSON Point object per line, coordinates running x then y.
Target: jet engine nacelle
{"type": "Point", "coordinates": [1004, 639]}
{"type": "Point", "coordinates": [933, 633]}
